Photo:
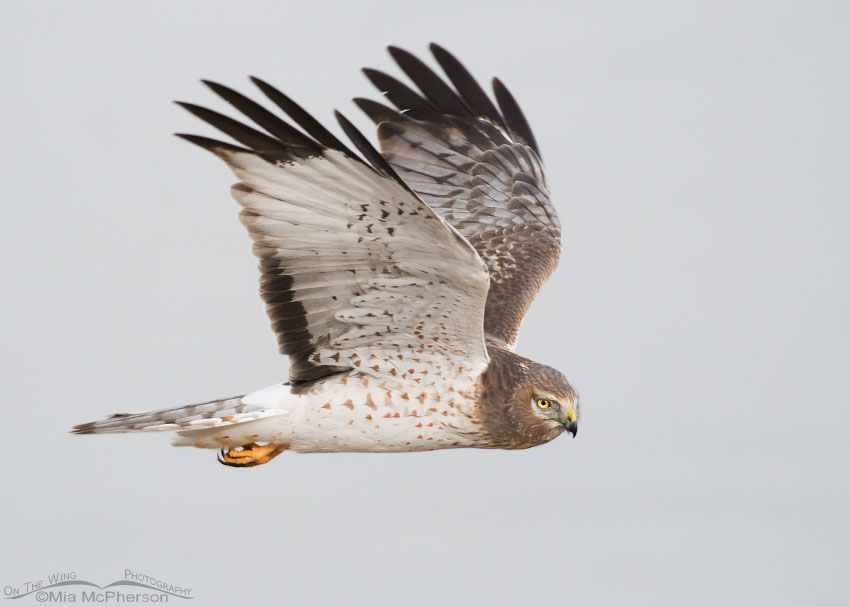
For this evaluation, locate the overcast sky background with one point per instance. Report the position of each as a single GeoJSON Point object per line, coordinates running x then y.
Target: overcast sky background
{"type": "Point", "coordinates": [698, 156]}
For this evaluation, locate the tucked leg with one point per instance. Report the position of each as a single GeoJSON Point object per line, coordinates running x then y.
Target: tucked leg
{"type": "Point", "coordinates": [249, 455]}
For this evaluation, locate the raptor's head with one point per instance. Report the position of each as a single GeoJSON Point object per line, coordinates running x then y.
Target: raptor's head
{"type": "Point", "coordinates": [547, 397]}
{"type": "Point", "coordinates": [523, 403]}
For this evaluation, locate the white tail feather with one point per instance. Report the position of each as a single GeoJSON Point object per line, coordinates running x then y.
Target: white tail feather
{"type": "Point", "coordinates": [188, 417]}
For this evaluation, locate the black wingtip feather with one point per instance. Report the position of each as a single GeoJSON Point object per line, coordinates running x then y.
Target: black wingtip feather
{"type": "Point", "coordinates": [433, 87]}
{"type": "Point", "coordinates": [302, 118]}
{"type": "Point", "coordinates": [378, 112]}
{"type": "Point", "coordinates": [470, 91]}
{"type": "Point", "coordinates": [240, 132]}
{"type": "Point", "coordinates": [291, 143]}
{"type": "Point", "coordinates": [368, 150]}
{"type": "Point", "coordinates": [261, 116]}
{"type": "Point", "coordinates": [402, 96]}
{"type": "Point", "coordinates": [515, 119]}
{"type": "Point", "coordinates": [361, 143]}
{"type": "Point", "coordinates": [211, 145]}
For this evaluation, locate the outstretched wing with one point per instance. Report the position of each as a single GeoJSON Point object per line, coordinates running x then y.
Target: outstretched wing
{"type": "Point", "coordinates": [357, 271]}
{"type": "Point", "coordinates": [480, 169]}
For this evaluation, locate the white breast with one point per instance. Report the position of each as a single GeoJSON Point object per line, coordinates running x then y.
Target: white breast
{"type": "Point", "coordinates": [356, 412]}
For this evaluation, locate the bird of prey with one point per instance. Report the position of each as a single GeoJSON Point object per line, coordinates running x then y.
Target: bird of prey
{"type": "Point", "coordinates": [395, 281]}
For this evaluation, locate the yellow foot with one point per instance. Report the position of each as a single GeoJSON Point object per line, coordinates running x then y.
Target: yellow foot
{"type": "Point", "coordinates": [249, 455]}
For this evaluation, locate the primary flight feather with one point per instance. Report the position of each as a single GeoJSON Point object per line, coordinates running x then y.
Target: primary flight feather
{"type": "Point", "coordinates": [396, 282]}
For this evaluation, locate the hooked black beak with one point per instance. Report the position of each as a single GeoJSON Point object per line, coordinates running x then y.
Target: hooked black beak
{"type": "Point", "coordinates": [572, 428]}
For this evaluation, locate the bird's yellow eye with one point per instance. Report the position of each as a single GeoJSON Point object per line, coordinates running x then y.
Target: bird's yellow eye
{"type": "Point", "coordinates": [544, 403]}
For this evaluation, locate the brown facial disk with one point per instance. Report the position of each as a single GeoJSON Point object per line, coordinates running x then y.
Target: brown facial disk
{"type": "Point", "coordinates": [506, 399]}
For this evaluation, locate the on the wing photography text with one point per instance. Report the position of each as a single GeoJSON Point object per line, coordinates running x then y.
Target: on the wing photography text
{"type": "Point", "coordinates": [68, 587]}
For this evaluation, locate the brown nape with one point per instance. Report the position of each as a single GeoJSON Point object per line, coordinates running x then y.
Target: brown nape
{"type": "Point", "coordinates": [507, 388]}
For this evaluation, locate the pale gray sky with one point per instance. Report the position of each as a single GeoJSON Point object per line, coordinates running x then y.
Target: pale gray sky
{"type": "Point", "coordinates": [698, 154]}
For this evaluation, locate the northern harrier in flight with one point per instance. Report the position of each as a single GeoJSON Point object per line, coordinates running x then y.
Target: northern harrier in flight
{"type": "Point", "coordinates": [395, 281]}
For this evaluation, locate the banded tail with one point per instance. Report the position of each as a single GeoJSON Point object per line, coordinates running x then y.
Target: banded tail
{"type": "Point", "coordinates": [188, 417]}
{"type": "Point", "coordinates": [233, 425]}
